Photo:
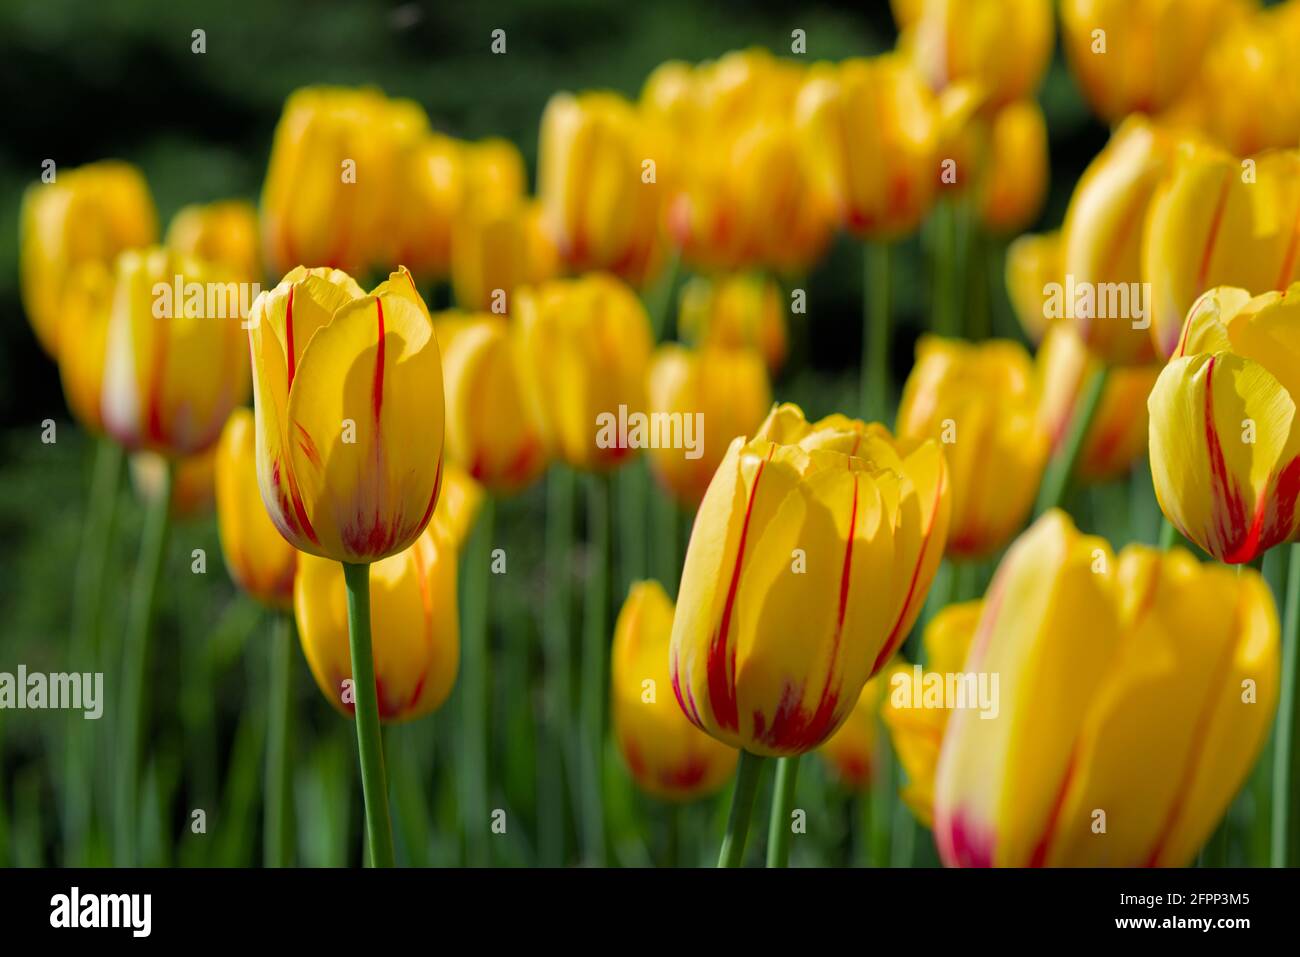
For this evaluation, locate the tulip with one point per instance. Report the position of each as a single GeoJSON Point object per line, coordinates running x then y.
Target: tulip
{"type": "Point", "coordinates": [223, 233]}
{"type": "Point", "coordinates": [258, 558]}
{"type": "Point", "coordinates": [1216, 220]}
{"type": "Point", "coordinates": [84, 215]}
{"type": "Point", "coordinates": [1133, 696]}
{"type": "Point", "coordinates": [1225, 451]}
{"type": "Point", "coordinates": [853, 750]}
{"type": "Point", "coordinates": [349, 444]}
{"type": "Point", "coordinates": [173, 371]}
{"type": "Point", "coordinates": [497, 246]}
{"type": "Point", "coordinates": [431, 177]}
{"type": "Point", "coordinates": [193, 483]}
{"type": "Point", "coordinates": [587, 347]}
{"type": "Point", "coordinates": [1251, 95]}
{"type": "Point", "coordinates": [491, 431]}
{"type": "Point", "coordinates": [726, 392]}
{"type": "Point", "coordinates": [1033, 262]}
{"type": "Point", "coordinates": [667, 756]}
{"type": "Point", "coordinates": [1013, 182]}
{"type": "Point", "coordinates": [86, 304]}
{"type": "Point", "coordinates": [980, 402]}
{"type": "Point", "coordinates": [743, 311]}
{"type": "Point", "coordinates": [459, 503]}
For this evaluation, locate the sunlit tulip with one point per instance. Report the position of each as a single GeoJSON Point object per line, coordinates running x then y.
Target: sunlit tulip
{"type": "Point", "coordinates": [1139, 56]}
{"type": "Point", "coordinates": [1013, 182]}
{"type": "Point", "coordinates": [85, 215]}
{"type": "Point", "coordinates": [980, 402]}
{"type": "Point", "coordinates": [870, 128]}
{"type": "Point", "coordinates": [667, 755]}
{"type": "Point", "coordinates": [742, 311]}
{"type": "Point", "coordinates": [713, 395]}
{"type": "Point", "coordinates": [458, 505]}
{"type": "Point", "coordinates": [1117, 434]}
{"type": "Point", "coordinates": [743, 85]}
{"type": "Point", "coordinates": [223, 233]}
{"type": "Point", "coordinates": [193, 481]}
{"type": "Point", "coordinates": [1250, 91]}
{"type": "Point", "coordinates": [86, 302]}
{"type": "Point", "coordinates": [601, 202]}
{"type": "Point", "coordinates": [810, 558]}
{"type": "Point", "coordinates": [432, 193]}
{"type": "Point", "coordinates": [1033, 262]}
{"type": "Point", "coordinates": [586, 344]}
{"type": "Point", "coordinates": [1225, 447]}
{"type": "Point", "coordinates": [491, 431]}
{"type": "Point", "coordinates": [349, 400]}
{"type": "Point", "coordinates": [1217, 220]}
{"type": "Point", "coordinates": [332, 193]}
{"type": "Point", "coordinates": [497, 246]}
{"type": "Point", "coordinates": [854, 750]}
{"type": "Point", "coordinates": [176, 360]}
{"type": "Point", "coordinates": [414, 623]}
{"type": "Point", "coordinates": [1132, 698]}
{"type": "Point", "coordinates": [258, 558]}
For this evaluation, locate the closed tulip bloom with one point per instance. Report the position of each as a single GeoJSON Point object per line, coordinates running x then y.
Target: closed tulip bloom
{"type": "Point", "coordinates": [492, 431]}
{"type": "Point", "coordinates": [1117, 435]}
{"type": "Point", "coordinates": [348, 393]}
{"type": "Point", "coordinates": [1251, 93]}
{"type": "Point", "coordinates": [586, 344]}
{"type": "Point", "coordinates": [667, 755]}
{"type": "Point", "coordinates": [458, 505]}
{"type": "Point", "coordinates": [193, 482]}
{"type": "Point", "coordinates": [853, 751]}
{"type": "Point", "coordinates": [86, 303]}
{"type": "Point", "coordinates": [222, 233]}
{"type": "Point", "coordinates": [88, 214]}
{"type": "Point", "coordinates": [258, 558]}
{"type": "Point", "coordinates": [980, 401]}
{"type": "Point", "coordinates": [1225, 447]}
{"type": "Point", "coordinates": [1141, 687]}
{"type": "Point", "coordinates": [740, 311]}
{"type": "Point", "coordinates": [1216, 221]}
{"type": "Point", "coordinates": [497, 246]}
{"type": "Point", "coordinates": [431, 171]}
{"type": "Point", "coordinates": [175, 365]}
{"type": "Point", "coordinates": [871, 128]}
{"type": "Point", "coordinates": [1013, 183]}
{"type": "Point", "coordinates": [726, 392]}
{"type": "Point", "coordinates": [414, 627]}
{"type": "Point", "coordinates": [810, 556]}
{"type": "Point", "coordinates": [1033, 262]}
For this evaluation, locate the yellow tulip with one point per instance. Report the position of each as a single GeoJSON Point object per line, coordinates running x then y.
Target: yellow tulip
{"type": "Point", "coordinates": [431, 177]}
{"type": "Point", "coordinates": [1251, 94]}
{"type": "Point", "coordinates": [348, 394]}
{"type": "Point", "coordinates": [85, 215]}
{"type": "Point", "coordinates": [175, 361]}
{"type": "Point", "coordinates": [742, 311]}
{"type": "Point", "coordinates": [1013, 181]}
{"type": "Point", "coordinates": [258, 558]}
{"type": "Point", "coordinates": [718, 395]}
{"type": "Point", "coordinates": [496, 247]}
{"type": "Point", "coordinates": [458, 504]}
{"type": "Point", "coordinates": [414, 627]}
{"type": "Point", "coordinates": [1225, 447]}
{"type": "Point", "coordinates": [667, 755]}
{"type": "Point", "coordinates": [491, 431]}
{"type": "Point", "coordinates": [1216, 220]}
{"type": "Point", "coordinates": [871, 128]}
{"type": "Point", "coordinates": [223, 233]}
{"type": "Point", "coordinates": [979, 401]}
{"type": "Point", "coordinates": [1117, 435]}
{"type": "Point", "coordinates": [192, 486]}
{"type": "Point", "coordinates": [86, 303]}
{"type": "Point", "coordinates": [1033, 262]}
{"type": "Point", "coordinates": [1141, 687]}
{"type": "Point", "coordinates": [586, 344]}
{"type": "Point", "coordinates": [854, 750]}
{"type": "Point", "coordinates": [810, 557]}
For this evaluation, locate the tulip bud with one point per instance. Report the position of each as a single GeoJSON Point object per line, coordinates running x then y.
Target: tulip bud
{"type": "Point", "coordinates": [497, 246]}
{"type": "Point", "coordinates": [980, 403]}
{"type": "Point", "coordinates": [1013, 182]}
{"type": "Point", "coordinates": [258, 558]}
{"type": "Point", "coordinates": [743, 311]}
{"type": "Point", "coordinates": [224, 234]}
{"type": "Point", "coordinates": [349, 400]}
{"type": "Point", "coordinates": [668, 757]}
{"type": "Point", "coordinates": [854, 750]}
{"type": "Point", "coordinates": [1033, 262]}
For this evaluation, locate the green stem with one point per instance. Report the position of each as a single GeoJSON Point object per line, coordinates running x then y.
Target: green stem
{"type": "Point", "coordinates": [875, 330]}
{"type": "Point", "coordinates": [474, 687]}
{"type": "Point", "coordinates": [595, 642]}
{"type": "Point", "coordinates": [1168, 534]}
{"type": "Point", "coordinates": [978, 321]}
{"type": "Point", "coordinates": [1057, 478]}
{"type": "Point", "coordinates": [275, 838]}
{"type": "Point", "coordinates": [742, 809]}
{"type": "Point", "coordinates": [1286, 756]}
{"type": "Point", "coordinates": [557, 694]}
{"type": "Point", "coordinates": [374, 786]}
{"type": "Point", "coordinates": [153, 546]}
{"type": "Point", "coordinates": [661, 310]}
{"type": "Point", "coordinates": [778, 826]}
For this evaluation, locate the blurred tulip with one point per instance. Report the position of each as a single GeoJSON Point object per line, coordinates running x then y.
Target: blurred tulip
{"type": "Point", "coordinates": [175, 363]}
{"type": "Point", "coordinates": [258, 558]}
{"type": "Point", "coordinates": [586, 345]}
{"type": "Point", "coordinates": [348, 393]}
{"type": "Point", "coordinates": [1013, 182]}
{"type": "Point", "coordinates": [854, 750]}
{"type": "Point", "coordinates": [810, 558]}
{"type": "Point", "coordinates": [415, 629]}
{"type": "Point", "coordinates": [223, 233]}
{"type": "Point", "coordinates": [85, 306]}
{"type": "Point", "coordinates": [432, 174]}
{"type": "Point", "coordinates": [1225, 447]}
{"type": "Point", "coordinates": [1140, 689]}
{"type": "Point", "coordinates": [85, 215]}
{"type": "Point", "coordinates": [742, 311]}
{"type": "Point", "coordinates": [979, 401]}
{"type": "Point", "coordinates": [497, 246]}
{"type": "Point", "coordinates": [667, 755]}
{"type": "Point", "coordinates": [1216, 220]}
{"type": "Point", "coordinates": [871, 129]}
{"type": "Point", "coordinates": [491, 431]}
{"type": "Point", "coordinates": [1117, 435]}
{"type": "Point", "coordinates": [726, 391]}
{"type": "Point", "coordinates": [1033, 261]}
{"type": "Point", "coordinates": [458, 505]}
{"type": "Point", "coordinates": [192, 483]}
{"type": "Point", "coordinates": [1251, 92]}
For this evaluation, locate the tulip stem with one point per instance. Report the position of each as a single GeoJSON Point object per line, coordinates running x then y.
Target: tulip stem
{"type": "Point", "coordinates": [1286, 755]}
{"type": "Point", "coordinates": [474, 686]}
{"type": "Point", "coordinates": [153, 546]}
{"type": "Point", "coordinates": [275, 836]}
{"type": "Point", "coordinates": [595, 642]}
{"type": "Point", "coordinates": [1168, 535]}
{"type": "Point", "coordinates": [1056, 481]}
{"type": "Point", "coordinates": [557, 656]}
{"type": "Point", "coordinates": [374, 785]}
{"type": "Point", "coordinates": [778, 826]}
{"type": "Point", "coordinates": [874, 386]}
{"type": "Point", "coordinates": [742, 809]}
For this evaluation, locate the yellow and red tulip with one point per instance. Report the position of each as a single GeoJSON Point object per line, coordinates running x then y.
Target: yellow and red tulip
{"type": "Point", "coordinates": [741, 311]}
